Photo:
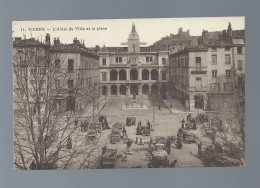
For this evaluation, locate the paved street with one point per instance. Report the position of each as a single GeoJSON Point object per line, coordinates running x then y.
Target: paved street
{"type": "Point", "coordinates": [166, 124]}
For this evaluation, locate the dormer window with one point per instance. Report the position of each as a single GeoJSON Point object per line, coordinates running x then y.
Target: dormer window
{"type": "Point", "coordinates": [227, 48]}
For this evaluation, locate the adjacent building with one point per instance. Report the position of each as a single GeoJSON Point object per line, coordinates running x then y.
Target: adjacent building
{"type": "Point", "coordinates": [202, 76]}
{"type": "Point", "coordinates": [67, 74]}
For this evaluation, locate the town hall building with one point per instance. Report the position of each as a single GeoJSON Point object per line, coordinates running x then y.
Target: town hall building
{"type": "Point", "coordinates": [133, 69]}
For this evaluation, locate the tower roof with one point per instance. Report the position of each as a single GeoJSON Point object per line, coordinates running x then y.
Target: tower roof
{"type": "Point", "coordinates": [133, 34]}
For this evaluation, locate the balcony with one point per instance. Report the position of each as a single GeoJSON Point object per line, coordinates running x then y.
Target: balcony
{"type": "Point", "coordinates": [117, 65]}
{"type": "Point", "coordinates": [198, 71]}
{"type": "Point", "coordinates": [202, 89]}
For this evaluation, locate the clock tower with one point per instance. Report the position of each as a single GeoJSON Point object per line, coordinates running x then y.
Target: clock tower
{"type": "Point", "coordinates": [133, 41]}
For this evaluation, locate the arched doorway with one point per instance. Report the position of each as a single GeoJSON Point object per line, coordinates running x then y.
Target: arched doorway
{"type": "Point", "coordinates": [104, 90]}
{"type": "Point", "coordinates": [133, 74]}
{"type": "Point", "coordinates": [163, 91]}
{"type": "Point", "coordinates": [113, 75]}
{"type": "Point", "coordinates": [122, 75]}
{"type": "Point", "coordinates": [70, 103]}
{"type": "Point", "coordinates": [199, 101]}
{"type": "Point", "coordinates": [122, 90]}
{"type": "Point", "coordinates": [154, 90]}
{"type": "Point", "coordinates": [113, 90]}
{"type": "Point", "coordinates": [145, 89]}
{"type": "Point", "coordinates": [154, 74]}
{"type": "Point", "coordinates": [134, 89]}
{"type": "Point", "coordinates": [145, 74]}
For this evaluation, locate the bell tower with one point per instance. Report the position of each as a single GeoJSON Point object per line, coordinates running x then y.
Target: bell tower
{"type": "Point", "coordinates": [133, 41]}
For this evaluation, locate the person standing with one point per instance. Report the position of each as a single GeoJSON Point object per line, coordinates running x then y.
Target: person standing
{"type": "Point", "coordinates": [124, 132]}
{"type": "Point", "coordinates": [148, 124]}
{"type": "Point", "coordinates": [213, 136]}
{"type": "Point", "coordinates": [183, 124]}
{"type": "Point", "coordinates": [69, 143]}
{"type": "Point", "coordinates": [32, 165]}
{"type": "Point", "coordinates": [194, 127]}
{"type": "Point", "coordinates": [128, 146]}
{"type": "Point", "coordinates": [168, 147]}
{"type": "Point", "coordinates": [82, 126]}
{"type": "Point", "coordinates": [199, 149]}
{"type": "Point", "coordinates": [76, 122]}
{"type": "Point", "coordinates": [179, 144]}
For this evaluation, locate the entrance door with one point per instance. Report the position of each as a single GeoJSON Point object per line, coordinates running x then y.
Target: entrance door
{"type": "Point", "coordinates": [134, 89]}
{"type": "Point", "coordinates": [122, 90]}
{"type": "Point", "coordinates": [163, 92]}
{"type": "Point", "coordinates": [199, 101]}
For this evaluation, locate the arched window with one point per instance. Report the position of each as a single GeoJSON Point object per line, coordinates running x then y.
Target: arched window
{"type": "Point", "coordinates": [145, 74]}
{"type": "Point", "coordinates": [154, 74]}
{"type": "Point", "coordinates": [133, 74]}
{"type": "Point", "coordinates": [113, 75]}
{"type": "Point", "coordinates": [122, 75]}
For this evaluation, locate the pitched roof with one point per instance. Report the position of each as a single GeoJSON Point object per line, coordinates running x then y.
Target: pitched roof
{"type": "Point", "coordinates": [73, 48]}
{"type": "Point", "coordinates": [18, 42]}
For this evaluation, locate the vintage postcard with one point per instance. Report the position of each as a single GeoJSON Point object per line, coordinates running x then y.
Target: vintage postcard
{"type": "Point", "coordinates": [129, 93]}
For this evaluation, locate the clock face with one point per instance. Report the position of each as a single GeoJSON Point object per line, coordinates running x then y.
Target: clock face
{"type": "Point", "coordinates": [134, 59]}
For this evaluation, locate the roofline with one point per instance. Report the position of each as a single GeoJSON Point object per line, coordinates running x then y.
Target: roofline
{"type": "Point", "coordinates": [190, 50]}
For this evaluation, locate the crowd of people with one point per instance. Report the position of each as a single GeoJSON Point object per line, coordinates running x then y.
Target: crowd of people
{"type": "Point", "coordinates": [141, 130]}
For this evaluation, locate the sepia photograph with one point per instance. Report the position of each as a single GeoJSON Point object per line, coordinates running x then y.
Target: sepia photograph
{"type": "Point", "coordinates": [129, 93]}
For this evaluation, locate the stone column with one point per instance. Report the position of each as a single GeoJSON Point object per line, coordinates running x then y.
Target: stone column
{"type": "Point", "coordinates": [128, 91]}
{"type": "Point", "coordinates": [108, 75]}
{"type": "Point", "coordinates": [139, 74]}
{"type": "Point", "coordinates": [140, 89]}
{"type": "Point", "coordinates": [149, 87]}
{"type": "Point", "coordinates": [192, 103]}
{"type": "Point", "coordinates": [118, 87]}
{"type": "Point", "coordinates": [205, 102]}
{"type": "Point", "coordinates": [108, 90]}
{"type": "Point", "coordinates": [128, 74]}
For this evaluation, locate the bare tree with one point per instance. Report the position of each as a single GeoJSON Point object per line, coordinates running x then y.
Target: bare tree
{"type": "Point", "coordinates": [47, 111]}
{"type": "Point", "coordinates": [231, 136]}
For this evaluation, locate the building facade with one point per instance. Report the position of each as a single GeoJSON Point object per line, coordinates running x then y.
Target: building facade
{"type": "Point", "coordinates": [203, 76]}
{"type": "Point", "coordinates": [133, 69]}
{"type": "Point", "coordinates": [65, 75]}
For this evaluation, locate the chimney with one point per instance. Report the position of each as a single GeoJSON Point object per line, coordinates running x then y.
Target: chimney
{"type": "Point", "coordinates": [48, 39]}
{"type": "Point", "coordinates": [76, 41]}
{"type": "Point", "coordinates": [180, 30]}
{"type": "Point", "coordinates": [229, 30]}
{"type": "Point", "coordinates": [205, 36]}
{"type": "Point", "coordinates": [97, 48]}
{"type": "Point", "coordinates": [224, 33]}
{"type": "Point", "coordinates": [17, 39]}
{"type": "Point", "coordinates": [56, 41]}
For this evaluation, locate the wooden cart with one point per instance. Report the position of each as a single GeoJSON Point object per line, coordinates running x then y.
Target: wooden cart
{"type": "Point", "coordinates": [115, 137]}
{"type": "Point", "coordinates": [109, 158]}
{"type": "Point", "coordinates": [130, 121]}
{"type": "Point", "coordinates": [95, 127]}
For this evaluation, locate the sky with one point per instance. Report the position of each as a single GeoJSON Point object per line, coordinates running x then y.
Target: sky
{"type": "Point", "coordinates": [113, 32]}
